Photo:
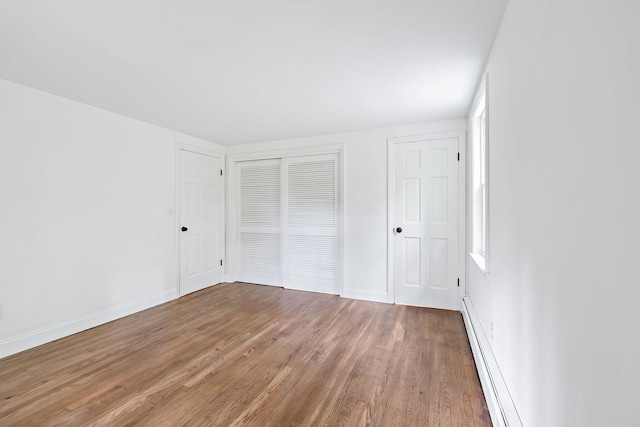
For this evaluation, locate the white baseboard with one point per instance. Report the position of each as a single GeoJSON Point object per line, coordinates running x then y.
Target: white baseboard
{"type": "Point", "coordinates": [363, 294]}
{"type": "Point", "coordinates": [38, 337]}
{"type": "Point", "coordinates": [501, 407]}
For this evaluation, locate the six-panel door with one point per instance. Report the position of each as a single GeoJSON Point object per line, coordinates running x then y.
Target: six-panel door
{"type": "Point", "coordinates": [426, 211]}
{"type": "Point", "coordinates": [201, 221]}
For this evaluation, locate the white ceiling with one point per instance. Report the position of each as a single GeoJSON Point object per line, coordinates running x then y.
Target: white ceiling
{"type": "Point", "coordinates": [238, 71]}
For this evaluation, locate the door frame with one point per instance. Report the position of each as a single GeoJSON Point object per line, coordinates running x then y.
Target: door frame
{"type": "Point", "coordinates": [181, 146]}
{"type": "Point", "coordinates": [462, 232]}
{"type": "Point", "coordinates": [232, 246]}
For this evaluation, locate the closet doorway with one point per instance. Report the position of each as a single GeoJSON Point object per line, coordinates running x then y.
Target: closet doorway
{"type": "Point", "coordinates": [287, 220]}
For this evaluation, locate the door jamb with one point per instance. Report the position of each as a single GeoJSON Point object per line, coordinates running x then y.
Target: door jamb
{"type": "Point", "coordinates": [181, 146]}
{"type": "Point", "coordinates": [462, 148]}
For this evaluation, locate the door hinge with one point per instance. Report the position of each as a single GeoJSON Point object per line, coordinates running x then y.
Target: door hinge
{"type": "Point", "coordinates": [458, 282]}
{"type": "Point", "coordinates": [221, 264]}
{"type": "Point", "coordinates": [458, 156]}
{"type": "Point", "coordinates": [221, 169]}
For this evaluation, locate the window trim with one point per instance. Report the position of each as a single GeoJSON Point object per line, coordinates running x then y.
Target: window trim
{"type": "Point", "coordinates": [479, 177]}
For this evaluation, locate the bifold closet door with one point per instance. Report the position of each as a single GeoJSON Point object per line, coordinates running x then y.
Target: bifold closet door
{"type": "Point", "coordinates": [311, 223]}
{"type": "Point", "coordinates": [259, 220]}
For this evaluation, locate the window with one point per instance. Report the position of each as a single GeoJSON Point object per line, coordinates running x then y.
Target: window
{"type": "Point", "coordinates": [479, 179]}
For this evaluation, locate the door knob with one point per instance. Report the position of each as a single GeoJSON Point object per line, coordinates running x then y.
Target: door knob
{"type": "Point", "coordinates": [184, 228]}
{"type": "Point", "coordinates": [398, 230]}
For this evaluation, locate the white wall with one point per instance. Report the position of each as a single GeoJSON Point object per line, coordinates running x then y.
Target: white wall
{"type": "Point", "coordinates": [86, 199]}
{"type": "Point", "coordinates": [365, 258]}
{"type": "Point", "coordinates": [87, 235]}
{"type": "Point", "coordinates": [564, 100]}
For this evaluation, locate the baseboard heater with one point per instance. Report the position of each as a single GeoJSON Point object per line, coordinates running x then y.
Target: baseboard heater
{"type": "Point", "coordinates": [501, 408]}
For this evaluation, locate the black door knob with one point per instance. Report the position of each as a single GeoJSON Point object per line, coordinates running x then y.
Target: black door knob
{"type": "Point", "coordinates": [184, 228]}
{"type": "Point", "coordinates": [398, 230]}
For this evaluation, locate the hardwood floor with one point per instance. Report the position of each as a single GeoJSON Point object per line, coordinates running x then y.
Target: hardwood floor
{"type": "Point", "coordinates": [240, 354]}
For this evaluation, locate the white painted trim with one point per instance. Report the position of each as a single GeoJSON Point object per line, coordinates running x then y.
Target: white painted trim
{"type": "Point", "coordinates": [231, 193]}
{"type": "Point", "coordinates": [201, 150]}
{"type": "Point", "coordinates": [391, 158]}
{"type": "Point", "coordinates": [287, 152]}
{"type": "Point", "coordinates": [180, 146]}
{"type": "Point", "coordinates": [364, 294]}
{"type": "Point", "coordinates": [230, 224]}
{"type": "Point", "coordinates": [462, 149]}
{"type": "Point", "coordinates": [342, 201]}
{"type": "Point", "coordinates": [51, 333]}
{"type": "Point", "coordinates": [482, 260]}
{"type": "Point", "coordinates": [462, 217]}
{"type": "Point", "coordinates": [501, 407]}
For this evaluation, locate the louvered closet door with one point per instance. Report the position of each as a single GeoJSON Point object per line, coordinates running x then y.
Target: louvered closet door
{"type": "Point", "coordinates": [310, 223]}
{"type": "Point", "coordinates": [259, 221]}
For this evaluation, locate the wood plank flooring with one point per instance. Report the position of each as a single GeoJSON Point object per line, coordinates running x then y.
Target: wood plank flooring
{"type": "Point", "coordinates": [241, 354]}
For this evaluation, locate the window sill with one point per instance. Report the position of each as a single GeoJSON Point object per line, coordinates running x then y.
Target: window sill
{"type": "Point", "coordinates": [481, 262]}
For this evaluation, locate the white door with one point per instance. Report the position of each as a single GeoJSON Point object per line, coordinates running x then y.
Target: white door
{"type": "Point", "coordinates": [258, 221]}
{"type": "Point", "coordinates": [426, 223]}
{"type": "Point", "coordinates": [311, 223]}
{"type": "Point", "coordinates": [200, 221]}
